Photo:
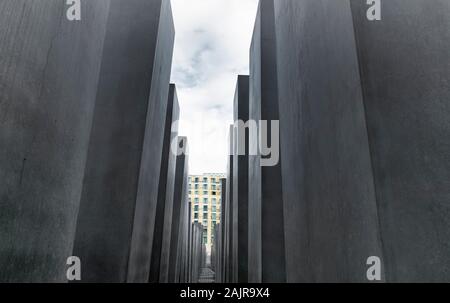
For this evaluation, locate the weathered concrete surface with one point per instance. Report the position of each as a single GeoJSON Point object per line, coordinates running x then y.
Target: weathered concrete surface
{"type": "Point", "coordinates": [196, 251]}
{"type": "Point", "coordinates": [405, 69]}
{"type": "Point", "coordinates": [222, 259]}
{"type": "Point", "coordinates": [231, 264]}
{"type": "Point", "coordinates": [240, 219]}
{"type": "Point", "coordinates": [266, 219]}
{"type": "Point", "coordinates": [189, 244]}
{"type": "Point", "coordinates": [49, 71]}
{"type": "Point", "coordinates": [214, 249]}
{"type": "Point", "coordinates": [118, 205]}
{"type": "Point", "coordinates": [184, 230]}
{"type": "Point", "coordinates": [331, 220]}
{"type": "Point", "coordinates": [173, 215]}
{"type": "Point", "coordinates": [166, 181]}
{"type": "Point", "coordinates": [178, 220]}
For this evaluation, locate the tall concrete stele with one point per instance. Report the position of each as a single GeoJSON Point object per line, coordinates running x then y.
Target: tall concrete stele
{"type": "Point", "coordinates": [369, 155]}
{"type": "Point", "coordinates": [49, 70]}
{"type": "Point", "coordinates": [266, 222]}
{"type": "Point", "coordinates": [120, 192]}
{"type": "Point", "coordinates": [166, 188]}
{"type": "Point", "coordinates": [364, 166]}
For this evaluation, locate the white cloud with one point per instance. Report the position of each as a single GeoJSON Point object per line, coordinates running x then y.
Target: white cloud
{"type": "Point", "coordinates": [211, 48]}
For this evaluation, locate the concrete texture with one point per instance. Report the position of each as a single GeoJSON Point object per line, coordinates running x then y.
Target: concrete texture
{"type": "Point", "coordinates": [182, 187]}
{"type": "Point", "coordinates": [49, 70]}
{"type": "Point", "coordinates": [118, 205]}
{"type": "Point", "coordinates": [184, 232]}
{"type": "Point", "coordinates": [222, 259]}
{"type": "Point", "coordinates": [240, 218]}
{"type": "Point", "coordinates": [228, 254]}
{"type": "Point", "coordinates": [196, 252]}
{"type": "Point", "coordinates": [331, 219]}
{"type": "Point", "coordinates": [189, 244]}
{"type": "Point", "coordinates": [182, 270]}
{"type": "Point", "coordinates": [266, 219]}
{"type": "Point", "coordinates": [173, 216]}
{"type": "Point", "coordinates": [166, 181]}
{"type": "Point", "coordinates": [405, 72]}
{"type": "Point", "coordinates": [214, 249]}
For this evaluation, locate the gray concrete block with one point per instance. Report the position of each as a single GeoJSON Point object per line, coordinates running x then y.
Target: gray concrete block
{"type": "Point", "coordinates": [166, 181]}
{"type": "Point", "coordinates": [228, 255]}
{"type": "Point", "coordinates": [196, 252]}
{"type": "Point", "coordinates": [404, 63]}
{"type": "Point", "coordinates": [181, 274]}
{"type": "Point", "coordinates": [223, 261]}
{"type": "Point", "coordinates": [240, 219]}
{"type": "Point", "coordinates": [189, 244]}
{"type": "Point", "coordinates": [118, 205]}
{"type": "Point", "coordinates": [182, 176]}
{"type": "Point", "coordinates": [266, 218]}
{"type": "Point", "coordinates": [49, 70]}
{"type": "Point", "coordinates": [173, 215]}
{"type": "Point", "coordinates": [331, 218]}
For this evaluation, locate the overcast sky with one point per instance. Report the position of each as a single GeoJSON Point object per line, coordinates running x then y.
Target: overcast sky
{"type": "Point", "coordinates": [211, 48]}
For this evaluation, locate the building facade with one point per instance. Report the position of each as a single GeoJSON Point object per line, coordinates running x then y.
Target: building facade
{"type": "Point", "coordinates": [205, 192]}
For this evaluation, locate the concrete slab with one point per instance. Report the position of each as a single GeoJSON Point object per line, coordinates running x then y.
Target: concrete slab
{"type": "Point", "coordinates": [266, 219]}
{"type": "Point", "coordinates": [404, 63]}
{"type": "Point", "coordinates": [49, 70]}
{"type": "Point", "coordinates": [231, 264]}
{"type": "Point", "coordinates": [166, 181]}
{"type": "Point", "coordinates": [118, 205]}
{"type": "Point", "coordinates": [173, 215]}
{"type": "Point", "coordinates": [331, 217]}
{"type": "Point", "coordinates": [240, 219]}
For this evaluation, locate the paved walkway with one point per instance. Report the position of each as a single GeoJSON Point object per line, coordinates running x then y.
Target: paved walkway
{"type": "Point", "coordinates": [207, 276]}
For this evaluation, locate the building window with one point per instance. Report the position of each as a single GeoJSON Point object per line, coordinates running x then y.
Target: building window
{"type": "Point", "coordinates": [196, 208]}
{"type": "Point", "coordinates": [214, 193]}
{"type": "Point", "coordinates": [205, 207]}
{"type": "Point", "coordinates": [205, 216]}
{"type": "Point", "coordinates": [205, 186]}
{"type": "Point", "coordinates": [205, 180]}
{"type": "Point", "coordinates": [196, 200]}
{"type": "Point", "coordinates": [214, 187]}
{"type": "Point", "coordinates": [196, 186]}
{"type": "Point", "coordinates": [214, 208]}
{"type": "Point", "coordinates": [205, 222]}
{"type": "Point", "coordinates": [214, 201]}
{"type": "Point", "coordinates": [196, 192]}
{"type": "Point", "coordinates": [205, 200]}
{"type": "Point", "coordinates": [196, 180]}
{"type": "Point", "coordinates": [214, 216]}
{"type": "Point", "coordinates": [195, 215]}
{"type": "Point", "coordinates": [205, 193]}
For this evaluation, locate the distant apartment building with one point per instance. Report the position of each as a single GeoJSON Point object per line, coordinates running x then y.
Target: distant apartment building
{"type": "Point", "coordinates": [205, 192]}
